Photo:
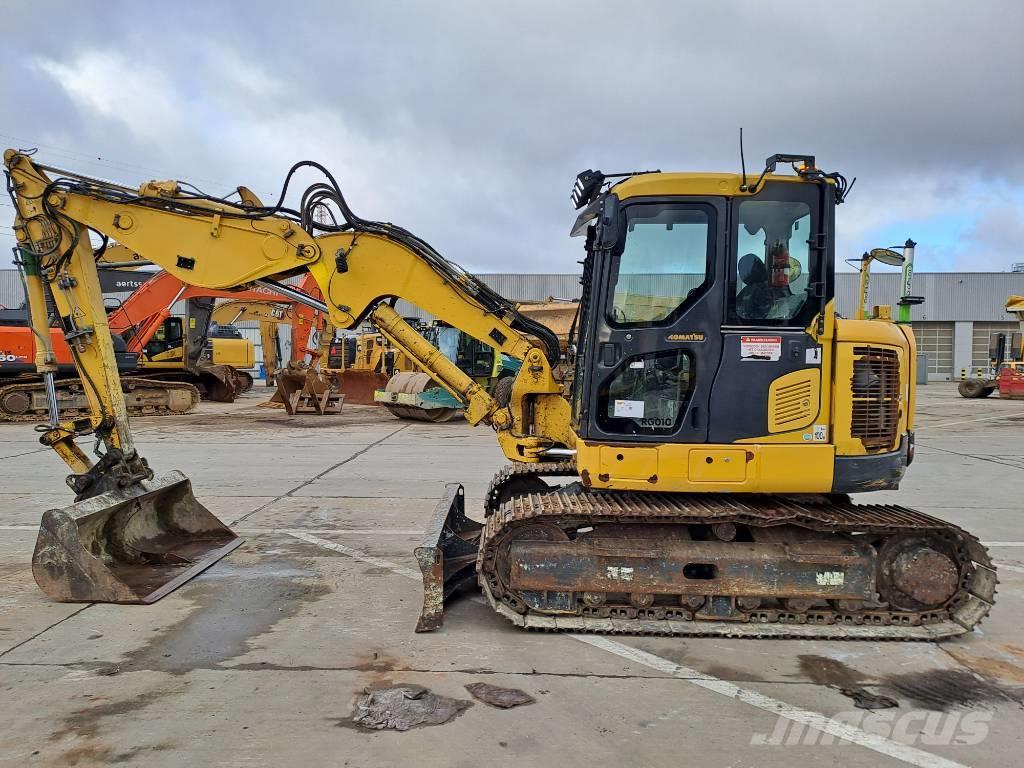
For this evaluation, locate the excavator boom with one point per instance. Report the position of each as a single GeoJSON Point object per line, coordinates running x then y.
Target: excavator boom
{"type": "Point", "coordinates": [88, 548]}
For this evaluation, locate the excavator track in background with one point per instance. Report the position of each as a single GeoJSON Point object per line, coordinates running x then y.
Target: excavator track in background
{"type": "Point", "coordinates": [143, 397]}
{"type": "Point", "coordinates": [698, 564]}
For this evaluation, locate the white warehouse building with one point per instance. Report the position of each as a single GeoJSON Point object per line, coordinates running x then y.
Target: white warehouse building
{"type": "Point", "coordinates": [960, 309]}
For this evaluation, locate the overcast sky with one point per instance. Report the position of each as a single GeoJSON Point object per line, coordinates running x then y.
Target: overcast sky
{"type": "Point", "coordinates": [466, 122]}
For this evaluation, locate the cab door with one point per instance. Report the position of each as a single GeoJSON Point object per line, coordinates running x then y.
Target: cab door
{"type": "Point", "coordinates": [652, 335]}
{"type": "Point", "coordinates": [780, 265]}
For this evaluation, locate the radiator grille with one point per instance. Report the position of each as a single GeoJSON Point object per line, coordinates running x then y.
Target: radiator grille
{"type": "Point", "coordinates": [876, 397]}
{"type": "Point", "coordinates": [793, 405]}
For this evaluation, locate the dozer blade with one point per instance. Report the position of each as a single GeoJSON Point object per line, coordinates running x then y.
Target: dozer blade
{"type": "Point", "coordinates": [131, 545]}
{"type": "Point", "coordinates": [359, 386]}
{"type": "Point", "coordinates": [447, 557]}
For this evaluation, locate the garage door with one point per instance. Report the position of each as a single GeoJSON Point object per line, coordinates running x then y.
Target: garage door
{"type": "Point", "coordinates": [936, 341]}
{"type": "Point", "coordinates": [979, 346]}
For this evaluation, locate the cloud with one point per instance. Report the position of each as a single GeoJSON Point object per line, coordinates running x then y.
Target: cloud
{"type": "Point", "coordinates": [467, 123]}
{"type": "Point", "coordinates": [106, 86]}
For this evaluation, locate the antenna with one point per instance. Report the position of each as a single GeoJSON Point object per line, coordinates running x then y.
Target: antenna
{"type": "Point", "coordinates": [743, 163]}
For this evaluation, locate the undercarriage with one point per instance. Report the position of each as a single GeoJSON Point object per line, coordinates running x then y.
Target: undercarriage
{"type": "Point", "coordinates": [565, 558]}
{"type": "Point", "coordinates": [143, 397]}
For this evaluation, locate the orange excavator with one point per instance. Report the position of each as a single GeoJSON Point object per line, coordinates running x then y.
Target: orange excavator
{"type": "Point", "coordinates": [174, 348]}
{"type": "Point", "coordinates": [165, 362]}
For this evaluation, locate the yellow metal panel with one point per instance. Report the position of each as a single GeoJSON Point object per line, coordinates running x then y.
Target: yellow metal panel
{"type": "Point", "coordinates": [238, 353]}
{"type": "Point", "coordinates": [803, 468]}
{"type": "Point", "coordinates": [871, 332]}
{"type": "Point", "coordinates": [718, 465]}
{"type": "Point", "coordinates": [636, 464]}
{"type": "Point", "coordinates": [168, 359]}
{"type": "Point", "coordinates": [706, 184]}
{"type": "Point", "coordinates": [793, 400]}
{"type": "Point", "coordinates": [908, 331]}
{"type": "Point", "coordinates": [843, 402]}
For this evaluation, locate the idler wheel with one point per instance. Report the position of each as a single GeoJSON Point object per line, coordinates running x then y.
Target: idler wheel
{"type": "Point", "coordinates": [16, 403]}
{"type": "Point", "coordinates": [798, 604]}
{"type": "Point", "coordinates": [917, 573]}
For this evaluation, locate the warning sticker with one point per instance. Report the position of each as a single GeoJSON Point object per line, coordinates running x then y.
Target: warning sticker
{"type": "Point", "coordinates": [628, 409]}
{"type": "Point", "coordinates": [760, 347]}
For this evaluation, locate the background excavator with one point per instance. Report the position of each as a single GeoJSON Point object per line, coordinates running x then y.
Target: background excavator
{"type": "Point", "coordinates": [270, 315]}
{"type": "Point", "coordinates": [720, 412]}
{"type": "Point", "coordinates": [180, 348]}
{"type": "Point", "coordinates": [167, 362]}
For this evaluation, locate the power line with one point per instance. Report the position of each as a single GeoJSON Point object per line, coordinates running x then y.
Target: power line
{"type": "Point", "coordinates": [100, 162]}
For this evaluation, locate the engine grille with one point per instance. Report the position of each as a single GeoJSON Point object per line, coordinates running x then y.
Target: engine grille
{"type": "Point", "coordinates": [876, 397]}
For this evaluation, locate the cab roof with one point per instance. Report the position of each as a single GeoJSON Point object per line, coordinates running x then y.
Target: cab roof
{"type": "Point", "coordinates": [660, 184]}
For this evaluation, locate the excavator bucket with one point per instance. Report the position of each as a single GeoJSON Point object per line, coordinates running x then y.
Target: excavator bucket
{"type": "Point", "coordinates": [305, 392]}
{"type": "Point", "coordinates": [447, 558]}
{"type": "Point", "coordinates": [219, 383]}
{"type": "Point", "coordinates": [131, 545]}
{"type": "Point", "coordinates": [359, 386]}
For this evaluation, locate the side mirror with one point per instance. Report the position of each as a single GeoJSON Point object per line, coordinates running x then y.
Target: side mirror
{"type": "Point", "coordinates": [887, 256]}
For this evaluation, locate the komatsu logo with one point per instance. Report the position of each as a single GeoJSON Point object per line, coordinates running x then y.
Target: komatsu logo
{"type": "Point", "coordinates": [695, 336]}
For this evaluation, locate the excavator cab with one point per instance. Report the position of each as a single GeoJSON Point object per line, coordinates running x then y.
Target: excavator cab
{"type": "Point", "coordinates": [689, 321]}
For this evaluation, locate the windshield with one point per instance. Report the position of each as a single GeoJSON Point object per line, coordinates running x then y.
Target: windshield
{"type": "Point", "coordinates": [664, 261]}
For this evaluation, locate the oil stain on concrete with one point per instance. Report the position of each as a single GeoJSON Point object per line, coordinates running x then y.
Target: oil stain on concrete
{"type": "Point", "coordinates": [946, 689]}
{"type": "Point", "coordinates": [935, 689]}
{"type": "Point", "coordinates": [236, 602]}
{"type": "Point", "coordinates": [88, 745]}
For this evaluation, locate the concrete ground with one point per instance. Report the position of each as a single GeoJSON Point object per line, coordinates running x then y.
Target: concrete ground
{"type": "Point", "coordinates": [259, 661]}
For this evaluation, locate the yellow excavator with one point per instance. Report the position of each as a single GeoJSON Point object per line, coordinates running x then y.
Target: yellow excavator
{"type": "Point", "coordinates": [695, 482]}
{"type": "Point", "coordinates": [269, 315]}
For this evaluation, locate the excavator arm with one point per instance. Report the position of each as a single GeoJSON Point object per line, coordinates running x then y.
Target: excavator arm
{"type": "Point", "coordinates": [359, 267]}
{"type": "Point", "coordinates": [133, 537]}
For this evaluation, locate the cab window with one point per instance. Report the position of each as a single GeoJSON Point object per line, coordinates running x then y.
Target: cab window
{"type": "Point", "coordinates": [664, 263]}
{"type": "Point", "coordinates": [647, 395]}
{"type": "Point", "coordinates": [773, 266]}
